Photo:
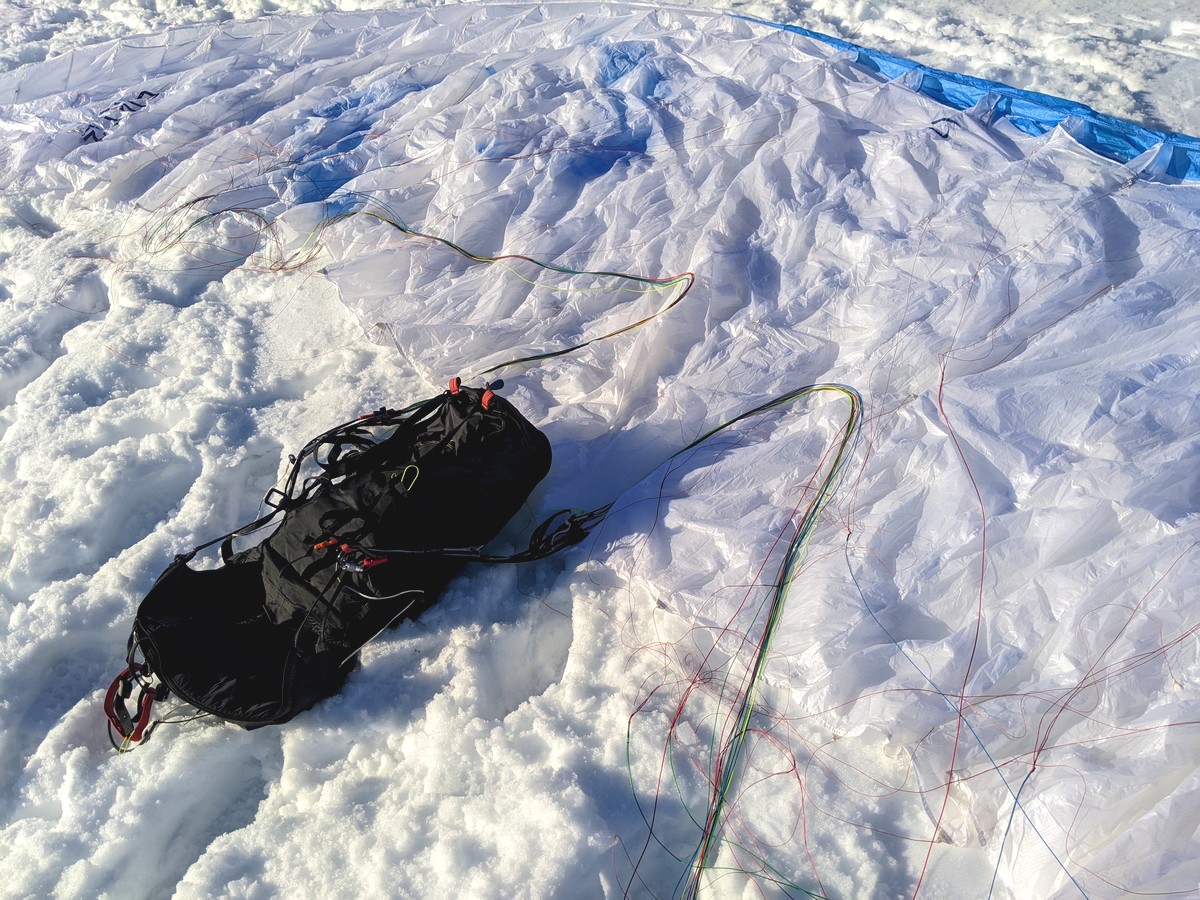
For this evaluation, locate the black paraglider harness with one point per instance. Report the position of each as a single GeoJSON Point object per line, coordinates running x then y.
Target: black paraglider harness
{"type": "Point", "coordinates": [361, 523]}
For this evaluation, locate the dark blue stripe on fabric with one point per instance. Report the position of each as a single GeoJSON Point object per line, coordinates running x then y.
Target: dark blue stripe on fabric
{"type": "Point", "coordinates": [1031, 112]}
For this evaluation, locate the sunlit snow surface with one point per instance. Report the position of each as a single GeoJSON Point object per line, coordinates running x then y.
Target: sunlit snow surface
{"type": "Point", "coordinates": [191, 289]}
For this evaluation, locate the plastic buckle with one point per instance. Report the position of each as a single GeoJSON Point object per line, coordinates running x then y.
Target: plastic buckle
{"type": "Point", "coordinates": [281, 503]}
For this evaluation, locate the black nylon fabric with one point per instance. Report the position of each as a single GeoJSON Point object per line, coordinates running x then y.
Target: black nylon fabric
{"type": "Point", "coordinates": [278, 627]}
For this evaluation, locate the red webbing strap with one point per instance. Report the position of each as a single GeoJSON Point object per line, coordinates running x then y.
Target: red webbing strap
{"type": "Point", "coordinates": [118, 714]}
{"type": "Point", "coordinates": [145, 703]}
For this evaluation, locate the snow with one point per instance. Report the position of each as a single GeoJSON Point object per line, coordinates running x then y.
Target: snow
{"type": "Point", "coordinates": [995, 605]}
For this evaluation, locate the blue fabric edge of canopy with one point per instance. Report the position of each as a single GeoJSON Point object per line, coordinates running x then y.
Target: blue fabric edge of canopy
{"type": "Point", "coordinates": [1177, 157]}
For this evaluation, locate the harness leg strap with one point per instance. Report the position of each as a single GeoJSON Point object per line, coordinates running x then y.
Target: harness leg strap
{"type": "Point", "coordinates": [131, 727]}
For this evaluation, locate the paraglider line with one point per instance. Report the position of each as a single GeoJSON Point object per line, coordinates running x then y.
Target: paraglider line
{"type": "Point", "coordinates": [957, 710]}
{"type": "Point", "coordinates": [728, 754]}
{"type": "Point", "coordinates": [684, 281]}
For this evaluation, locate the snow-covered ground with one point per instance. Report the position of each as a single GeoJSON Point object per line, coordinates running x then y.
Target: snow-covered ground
{"type": "Point", "coordinates": [985, 677]}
